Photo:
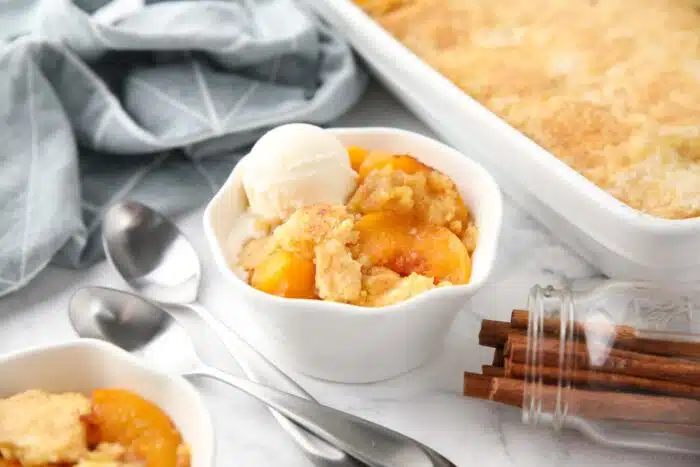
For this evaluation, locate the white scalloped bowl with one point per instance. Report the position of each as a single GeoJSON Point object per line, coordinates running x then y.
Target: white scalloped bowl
{"type": "Point", "coordinates": [348, 343]}
{"type": "Point", "coordinates": [87, 364]}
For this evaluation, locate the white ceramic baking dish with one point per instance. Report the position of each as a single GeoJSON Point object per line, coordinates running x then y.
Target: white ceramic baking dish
{"type": "Point", "coordinates": [620, 241]}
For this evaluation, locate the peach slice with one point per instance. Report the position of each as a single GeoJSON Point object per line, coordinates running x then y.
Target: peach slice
{"type": "Point", "coordinates": [392, 241]}
{"type": "Point", "coordinates": [357, 157]}
{"type": "Point", "coordinates": [445, 256]}
{"type": "Point", "coordinates": [146, 431]}
{"type": "Point", "coordinates": [406, 164]}
{"type": "Point", "coordinates": [383, 237]}
{"type": "Point", "coordinates": [379, 160]}
{"type": "Point", "coordinates": [285, 274]}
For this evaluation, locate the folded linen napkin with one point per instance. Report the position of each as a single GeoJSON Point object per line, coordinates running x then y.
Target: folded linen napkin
{"type": "Point", "coordinates": [148, 100]}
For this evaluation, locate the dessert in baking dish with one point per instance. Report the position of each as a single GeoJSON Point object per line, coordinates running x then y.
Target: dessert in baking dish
{"type": "Point", "coordinates": [387, 229]}
{"type": "Point", "coordinates": [610, 87]}
{"type": "Point", "coordinates": [109, 428]}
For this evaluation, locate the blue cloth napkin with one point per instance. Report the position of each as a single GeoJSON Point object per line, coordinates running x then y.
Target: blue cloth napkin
{"type": "Point", "coordinates": [146, 100]}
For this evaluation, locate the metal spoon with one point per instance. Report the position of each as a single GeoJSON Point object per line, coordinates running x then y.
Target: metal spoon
{"type": "Point", "coordinates": [156, 259]}
{"type": "Point", "coordinates": [144, 328]}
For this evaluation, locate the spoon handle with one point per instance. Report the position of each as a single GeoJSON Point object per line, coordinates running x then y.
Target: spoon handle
{"type": "Point", "coordinates": [254, 364]}
{"type": "Point", "coordinates": [259, 369]}
{"type": "Point", "coordinates": [373, 444]}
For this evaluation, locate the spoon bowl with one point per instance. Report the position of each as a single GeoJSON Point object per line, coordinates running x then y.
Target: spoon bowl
{"type": "Point", "coordinates": [133, 324]}
{"type": "Point", "coordinates": [150, 253]}
{"type": "Point", "coordinates": [98, 316]}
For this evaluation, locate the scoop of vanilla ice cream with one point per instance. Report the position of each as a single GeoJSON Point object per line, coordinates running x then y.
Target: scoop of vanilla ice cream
{"type": "Point", "coordinates": [296, 165]}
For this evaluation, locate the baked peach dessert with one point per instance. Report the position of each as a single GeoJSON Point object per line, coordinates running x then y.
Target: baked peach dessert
{"type": "Point", "coordinates": [402, 230]}
{"type": "Point", "coordinates": [110, 428]}
{"type": "Point", "coordinates": [609, 87]}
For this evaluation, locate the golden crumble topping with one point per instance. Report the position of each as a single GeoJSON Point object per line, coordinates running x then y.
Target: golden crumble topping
{"type": "Point", "coordinates": [311, 226]}
{"type": "Point", "coordinates": [403, 231]}
{"type": "Point", "coordinates": [406, 287]}
{"type": "Point", "coordinates": [253, 252]}
{"type": "Point", "coordinates": [379, 280]}
{"type": "Point", "coordinates": [429, 195]}
{"type": "Point", "coordinates": [610, 87]}
{"type": "Point", "coordinates": [470, 237]}
{"type": "Point", "coordinates": [41, 428]}
{"type": "Point", "coordinates": [387, 190]}
{"type": "Point", "coordinates": [338, 275]}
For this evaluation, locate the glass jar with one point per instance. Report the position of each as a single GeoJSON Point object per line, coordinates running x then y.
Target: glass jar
{"type": "Point", "coordinates": [618, 361]}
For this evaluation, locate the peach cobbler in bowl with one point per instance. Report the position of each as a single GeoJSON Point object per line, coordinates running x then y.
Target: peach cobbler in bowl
{"type": "Point", "coordinates": [404, 230]}
{"type": "Point", "coordinates": [87, 403]}
{"type": "Point", "coordinates": [351, 251]}
{"type": "Point", "coordinates": [108, 428]}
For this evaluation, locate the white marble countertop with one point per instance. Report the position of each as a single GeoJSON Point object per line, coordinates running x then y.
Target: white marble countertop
{"type": "Point", "coordinates": [425, 404]}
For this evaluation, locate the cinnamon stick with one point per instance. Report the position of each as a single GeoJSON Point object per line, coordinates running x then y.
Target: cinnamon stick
{"type": "Point", "coordinates": [596, 379]}
{"type": "Point", "coordinates": [620, 336]}
{"type": "Point", "coordinates": [608, 360]}
{"type": "Point", "coordinates": [519, 319]}
{"type": "Point", "coordinates": [490, 370]}
{"type": "Point", "coordinates": [498, 357]}
{"type": "Point", "coordinates": [610, 406]}
{"type": "Point", "coordinates": [494, 333]}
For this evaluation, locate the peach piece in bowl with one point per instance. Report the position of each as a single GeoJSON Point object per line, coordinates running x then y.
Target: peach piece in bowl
{"type": "Point", "coordinates": [53, 386]}
{"type": "Point", "coordinates": [345, 342]}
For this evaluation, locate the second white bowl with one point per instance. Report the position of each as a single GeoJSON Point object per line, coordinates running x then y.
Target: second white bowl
{"type": "Point", "coordinates": [85, 365]}
{"type": "Point", "coordinates": [347, 343]}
